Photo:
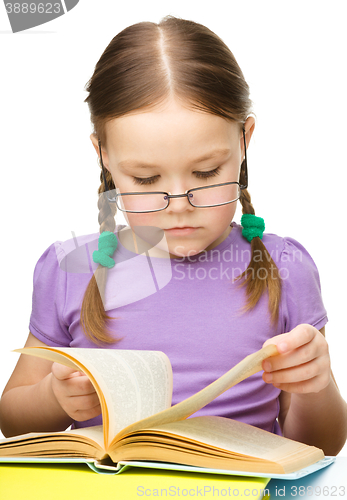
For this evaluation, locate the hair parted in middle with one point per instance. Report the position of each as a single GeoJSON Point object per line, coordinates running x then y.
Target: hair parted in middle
{"type": "Point", "coordinates": [144, 66]}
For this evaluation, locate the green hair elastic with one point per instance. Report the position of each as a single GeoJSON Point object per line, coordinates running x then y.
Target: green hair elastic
{"type": "Point", "coordinates": [252, 226]}
{"type": "Point", "coordinates": [107, 244]}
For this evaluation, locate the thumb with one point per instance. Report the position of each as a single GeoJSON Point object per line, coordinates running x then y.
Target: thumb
{"type": "Point", "coordinates": [279, 341]}
{"type": "Point", "coordinates": [62, 372]}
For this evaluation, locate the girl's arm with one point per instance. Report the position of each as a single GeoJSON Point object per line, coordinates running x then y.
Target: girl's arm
{"type": "Point", "coordinates": [312, 410]}
{"type": "Point", "coordinates": [41, 396]}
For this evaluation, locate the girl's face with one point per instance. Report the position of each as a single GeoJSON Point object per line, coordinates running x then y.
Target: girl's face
{"type": "Point", "coordinates": [163, 150]}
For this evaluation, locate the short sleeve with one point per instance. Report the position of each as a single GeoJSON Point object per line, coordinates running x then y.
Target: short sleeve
{"type": "Point", "coordinates": [48, 300]}
{"type": "Point", "coordinates": [301, 291]}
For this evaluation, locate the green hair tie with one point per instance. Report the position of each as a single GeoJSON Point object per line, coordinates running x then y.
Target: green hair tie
{"type": "Point", "coordinates": [252, 226]}
{"type": "Point", "coordinates": [106, 246]}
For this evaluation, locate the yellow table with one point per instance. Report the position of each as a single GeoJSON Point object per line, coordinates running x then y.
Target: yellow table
{"type": "Point", "coordinates": [77, 481]}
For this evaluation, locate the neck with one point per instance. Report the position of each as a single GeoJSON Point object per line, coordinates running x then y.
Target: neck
{"type": "Point", "coordinates": [134, 243]}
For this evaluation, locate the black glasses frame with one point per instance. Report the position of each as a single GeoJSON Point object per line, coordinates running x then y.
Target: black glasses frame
{"type": "Point", "coordinates": [169, 196]}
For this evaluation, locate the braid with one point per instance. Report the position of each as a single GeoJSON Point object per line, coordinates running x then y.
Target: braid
{"type": "Point", "coordinates": [107, 210]}
{"type": "Point", "coordinates": [93, 314]}
{"type": "Point", "coordinates": [245, 199]}
{"type": "Point", "coordinates": [262, 273]}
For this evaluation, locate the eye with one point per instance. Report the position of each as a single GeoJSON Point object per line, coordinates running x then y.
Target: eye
{"type": "Point", "coordinates": [200, 175]}
{"type": "Point", "coordinates": [210, 173]}
{"type": "Point", "coordinates": [145, 181]}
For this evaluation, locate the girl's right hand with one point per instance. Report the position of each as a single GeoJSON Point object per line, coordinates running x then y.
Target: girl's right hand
{"type": "Point", "coordinates": [75, 393]}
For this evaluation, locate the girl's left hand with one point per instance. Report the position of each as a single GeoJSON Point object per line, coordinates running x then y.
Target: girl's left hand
{"type": "Point", "coordinates": [303, 364]}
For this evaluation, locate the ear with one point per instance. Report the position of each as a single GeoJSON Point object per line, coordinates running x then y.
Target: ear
{"type": "Point", "coordinates": [95, 143]}
{"type": "Point", "coordinates": [249, 129]}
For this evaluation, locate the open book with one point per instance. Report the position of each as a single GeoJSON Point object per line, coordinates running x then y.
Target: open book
{"type": "Point", "coordinates": [139, 423]}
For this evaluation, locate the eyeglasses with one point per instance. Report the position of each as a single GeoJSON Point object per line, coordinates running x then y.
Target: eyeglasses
{"type": "Point", "coordinates": [202, 197]}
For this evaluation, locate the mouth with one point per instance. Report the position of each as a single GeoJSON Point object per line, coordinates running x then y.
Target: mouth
{"type": "Point", "coordinates": [181, 230]}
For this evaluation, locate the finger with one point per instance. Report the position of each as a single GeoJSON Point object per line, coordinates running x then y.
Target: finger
{"type": "Point", "coordinates": [300, 335]}
{"type": "Point", "coordinates": [73, 397]}
{"type": "Point", "coordinates": [318, 347]}
{"type": "Point", "coordinates": [315, 384]}
{"type": "Point", "coordinates": [84, 403]}
{"type": "Point", "coordinates": [83, 415]}
{"type": "Point", "coordinates": [306, 371]}
{"type": "Point", "coordinates": [294, 358]}
{"type": "Point", "coordinates": [78, 386]}
{"type": "Point", "coordinates": [62, 372]}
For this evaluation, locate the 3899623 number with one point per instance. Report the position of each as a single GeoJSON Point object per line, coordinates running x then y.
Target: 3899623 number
{"type": "Point", "coordinates": [315, 491]}
{"type": "Point", "coordinates": [33, 8]}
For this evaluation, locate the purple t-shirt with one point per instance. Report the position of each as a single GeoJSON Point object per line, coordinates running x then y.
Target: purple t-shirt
{"type": "Point", "coordinates": [186, 307]}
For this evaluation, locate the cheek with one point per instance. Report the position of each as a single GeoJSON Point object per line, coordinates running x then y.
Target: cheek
{"type": "Point", "coordinates": [146, 227]}
{"type": "Point", "coordinates": [140, 219]}
{"type": "Point", "coordinates": [221, 216]}
{"type": "Point", "coordinates": [231, 211]}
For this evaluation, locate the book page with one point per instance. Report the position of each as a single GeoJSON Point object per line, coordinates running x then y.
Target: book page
{"type": "Point", "coordinates": [134, 383]}
{"type": "Point", "coordinates": [74, 442]}
{"type": "Point", "coordinates": [221, 438]}
{"type": "Point", "coordinates": [227, 434]}
{"type": "Point", "coordinates": [248, 366]}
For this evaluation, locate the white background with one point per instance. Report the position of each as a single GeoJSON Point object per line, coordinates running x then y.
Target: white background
{"type": "Point", "coordinates": [293, 55]}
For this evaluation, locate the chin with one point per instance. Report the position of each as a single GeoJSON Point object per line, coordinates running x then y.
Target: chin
{"type": "Point", "coordinates": [181, 251]}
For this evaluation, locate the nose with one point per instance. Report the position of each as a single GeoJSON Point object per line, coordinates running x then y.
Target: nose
{"type": "Point", "coordinates": [179, 204]}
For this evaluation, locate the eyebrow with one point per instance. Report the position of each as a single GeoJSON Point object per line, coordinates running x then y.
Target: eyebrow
{"type": "Point", "coordinates": [140, 164]}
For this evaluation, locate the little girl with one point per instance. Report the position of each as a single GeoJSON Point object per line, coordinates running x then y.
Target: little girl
{"type": "Point", "coordinates": [172, 123]}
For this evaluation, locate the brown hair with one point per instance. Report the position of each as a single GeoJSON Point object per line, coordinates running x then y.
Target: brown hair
{"type": "Point", "coordinates": [143, 66]}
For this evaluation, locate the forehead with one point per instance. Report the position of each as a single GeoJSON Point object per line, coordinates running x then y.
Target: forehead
{"type": "Point", "coordinates": [171, 129]}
